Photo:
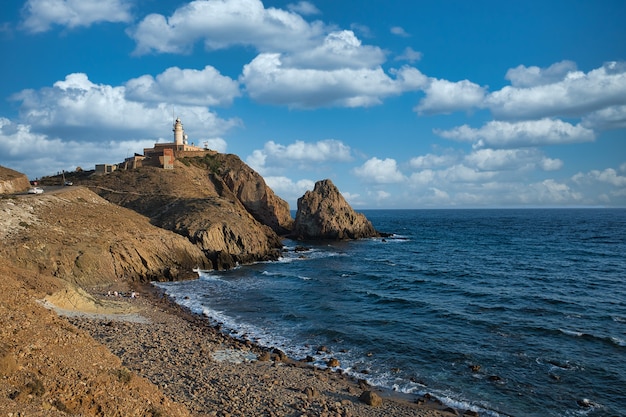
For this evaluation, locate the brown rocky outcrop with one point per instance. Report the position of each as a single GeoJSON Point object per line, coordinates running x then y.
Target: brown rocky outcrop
{"type": "Point", "coordinates": [250, 188]}
{"type": "Point", "coordinates": [324, 214]}
{"type": "Point", "coordinates": [12, 181]}
{"type": "Point", "coordinates": [75, 235]}
{"type": "Point", "coordinates": [194, 201]}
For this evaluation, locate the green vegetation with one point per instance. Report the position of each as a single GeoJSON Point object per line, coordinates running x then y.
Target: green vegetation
{"type": "Point", "coordinates": [124, 375]}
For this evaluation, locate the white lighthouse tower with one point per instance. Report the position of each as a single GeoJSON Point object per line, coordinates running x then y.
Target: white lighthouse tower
{"type": "Point", "coordinates": [179, 133]}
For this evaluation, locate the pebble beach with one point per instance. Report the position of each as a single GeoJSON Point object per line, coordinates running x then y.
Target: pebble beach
{"type": "Point", "coordinates": [212, 374]}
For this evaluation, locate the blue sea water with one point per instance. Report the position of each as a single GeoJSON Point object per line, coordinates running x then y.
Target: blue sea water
{"type": "Point", "coordinates": [536, 298]}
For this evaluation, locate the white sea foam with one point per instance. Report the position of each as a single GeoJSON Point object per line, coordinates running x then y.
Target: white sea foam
{"type": "Point", "coordinates": [618, 341]}
{"type": "Point", "coordinates": [571, 332]}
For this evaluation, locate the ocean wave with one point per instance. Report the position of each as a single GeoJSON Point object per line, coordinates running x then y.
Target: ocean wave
{"type": "Point", "coordinates": [609, 339]}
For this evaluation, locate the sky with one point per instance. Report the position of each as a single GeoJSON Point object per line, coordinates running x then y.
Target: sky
{"type": "Point", "coordinates": [402, 104]}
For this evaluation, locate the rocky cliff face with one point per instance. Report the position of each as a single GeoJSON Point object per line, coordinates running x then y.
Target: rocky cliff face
{"type": "Point", "coordinates": [194, 201]}
{"type": "Point", "coordinates": [75, 235]}
{"type": "Point", "coordinates": [324, 214]}
{"type": "Point", "coordinates": [12, 181]}
{"type": "Point", "coordinates": [250, 189]}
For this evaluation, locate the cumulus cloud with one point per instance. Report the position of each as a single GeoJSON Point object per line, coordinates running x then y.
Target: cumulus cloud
{"type": "Point", "coordinates": [380, 171]}
{"type": "Point", "coordinates": [608, 176]}
{"type": "Point", "coordinates": [613, 117]}
{"type": "Point", "coordinates": [511, 160]}
{"type": "Point", "coordinates": [78, 109]}
{"type": "Point", "coordinates": [288, 189]}
{"type": "Point", "coordinates": [304, 8]}
{"type": "Point", "coordinates": [433, 161]}
{"type": "Point", "coordinates": [224, 23]}
{"type": "Point", "coordinates": [300, 153]}
{"type": "Point", "coordinates": [205, 87]}
{"type": "Point", "coordinates": [499, 134]}
{"type": "Point", "coordinates": [48, 155]}
{"type": "Point", "coordinates": [340, 49]}
{"type": "Point", "coordinates": [575, 95]}
{"type": "Point", "coordinates": [41, 15]}
{"type": "Point", "coordinates": [443, 96]}
{"type": "Point", "coordinates": [268, 81]}
{"type": "Point", "coordinates": [524, 77]}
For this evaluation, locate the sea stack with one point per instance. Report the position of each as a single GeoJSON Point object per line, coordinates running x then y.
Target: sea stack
{"type": "Point", "coordinates": [324, 214]}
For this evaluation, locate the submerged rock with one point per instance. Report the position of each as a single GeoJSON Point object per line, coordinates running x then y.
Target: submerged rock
{"type": "Point", "coordinates": [324, 214]}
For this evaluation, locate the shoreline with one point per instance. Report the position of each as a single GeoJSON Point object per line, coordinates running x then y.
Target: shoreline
{"type": "Point", "coordinates": [214, 374]}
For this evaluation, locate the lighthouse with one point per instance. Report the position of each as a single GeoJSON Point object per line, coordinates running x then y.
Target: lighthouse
{"type": "Point", "coordinates": [179, 133]}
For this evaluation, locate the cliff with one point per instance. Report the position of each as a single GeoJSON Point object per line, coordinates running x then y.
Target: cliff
{"type": "Point", "coordinates": [324, 214]}
{"type": "Point", "coordinates": [12, 181]}
{"type": "Point", "coordinates": [75, 235]}
{"type": "Point", "coordinates": [194, 201]}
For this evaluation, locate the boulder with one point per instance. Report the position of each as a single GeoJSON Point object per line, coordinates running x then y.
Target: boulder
{"type": "Point", "coordinates": [324, 214]}
{"type": "Point", "coordinates": [371, 398]}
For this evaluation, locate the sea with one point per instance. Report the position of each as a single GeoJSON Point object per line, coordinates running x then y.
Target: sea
{"type": "Point", "coordinates": [507, 312]}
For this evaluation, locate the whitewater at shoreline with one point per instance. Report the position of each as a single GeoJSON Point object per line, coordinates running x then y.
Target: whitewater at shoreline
{"type": "Point", "coordinates": [211, 373]}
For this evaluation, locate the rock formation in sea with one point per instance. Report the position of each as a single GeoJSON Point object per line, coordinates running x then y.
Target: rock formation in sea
{"type": "Point", "coordinates": [324, 214]}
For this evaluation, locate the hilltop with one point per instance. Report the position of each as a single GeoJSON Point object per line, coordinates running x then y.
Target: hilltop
{"type": "Point", "coordinates": [216, 201]}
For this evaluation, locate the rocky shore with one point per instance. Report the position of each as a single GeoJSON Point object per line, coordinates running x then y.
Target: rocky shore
{"type": "Point", "coordinates": [70, 346]}
{"type": "Point", "coordinates": [212, 374]}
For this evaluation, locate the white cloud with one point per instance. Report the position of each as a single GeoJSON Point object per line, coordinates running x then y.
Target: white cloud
{"type": "Point", "coordinates": [77, 109]}
{"type": "Point", "coordinates": [224, 23]}
{"type": "Point", "coordinates": [217, 144]}
{"type": "Point", "coordinates": [498, 134]}
{"type": "Point", "coordinates": [607, 176]}
{"type": "Point", "coordinates": [267, 80]}
{"type": "Point", "coordinates": [549, 192]}
{"type": "Point", "coordinates": [287, 189]}
{"type": "Point", "coordinates": [524, 77]}
{"type": "Point", "coordinates": [341, 49]}
{"type": "Point", "coordinates": [38, 155]}
{"type": "Point", "coordinates": [433, 161]}
{"type": "Point", "coordinates": [40, 15]}
{"type": "Point", "coordinates": [576, 94]}
{"type": "Point", "coordinates": [205, 87]}
{"type": "Point", "coordinates": [511, 160]}
{"type": "Point", "coordinates": [399, 31]}
{"type": "Point", "coordinates": [613, 117]}
{"type": "Point", "coordinates": [409, 55]}
{"type": "Point", "coordinates": [380, 171]}
{"type": "Point", "coordinates": [304, 8]}
{"type": "Point", "coordinates": [443, 96]}
{"type": "Point", "coordinates": [274, 155]}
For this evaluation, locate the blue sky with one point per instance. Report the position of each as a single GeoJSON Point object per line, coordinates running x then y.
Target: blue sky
{"type": "Point", "coordinates": [402, 104]}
